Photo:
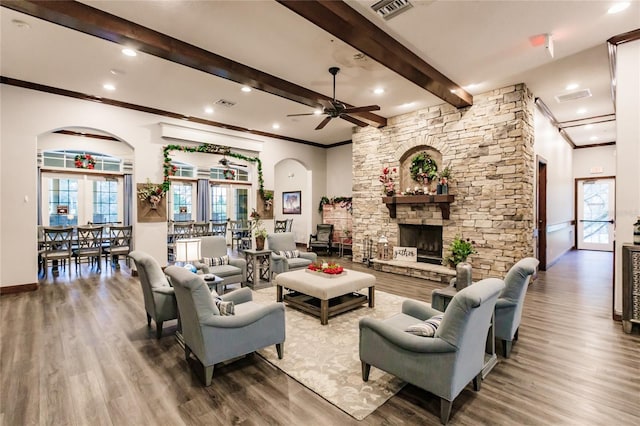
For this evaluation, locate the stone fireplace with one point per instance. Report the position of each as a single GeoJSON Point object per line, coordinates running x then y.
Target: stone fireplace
{"type": "Point", "coordinates": [489, 148]}
{"type": "Point", "coordinates": [426, 238]}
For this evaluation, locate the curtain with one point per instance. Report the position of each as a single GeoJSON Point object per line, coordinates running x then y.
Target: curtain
{"type": "Point", "coordinates": [128, 200]}
{"type": "Point", "coordinates": [204, 206]}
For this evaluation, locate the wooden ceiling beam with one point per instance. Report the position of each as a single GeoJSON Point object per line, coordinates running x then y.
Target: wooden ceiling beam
{"type": "Point", "coordinates": [95, 22]}
{"type": "Point", "coordinates": [345, 23]}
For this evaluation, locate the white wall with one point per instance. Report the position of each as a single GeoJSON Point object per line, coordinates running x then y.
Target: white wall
{"type": "Point", "coordinates": [340, 171]}
{"type": "Point", "coordinates": [291, 175]}
{"type": "Point", "coordinates": [588, 161]}
{"type": "Point", "coordinates": [27, 114]}
{"type": "Point", "coordinates": [560, 190]}
{"type": "Point", "coordinates": [628, 153]}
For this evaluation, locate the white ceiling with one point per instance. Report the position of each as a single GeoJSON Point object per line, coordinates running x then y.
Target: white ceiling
{"type": "Point", "coordinates": [486, 43]}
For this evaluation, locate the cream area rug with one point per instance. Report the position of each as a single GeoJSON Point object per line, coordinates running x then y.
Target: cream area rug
{"type": "Point", "coordinates": [325, 358]}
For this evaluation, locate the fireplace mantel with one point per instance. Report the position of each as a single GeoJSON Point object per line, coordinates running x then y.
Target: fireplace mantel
{"type": "Point", "coordinates": [443, 201]}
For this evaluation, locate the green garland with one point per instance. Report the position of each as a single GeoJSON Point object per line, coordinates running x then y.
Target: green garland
{"type": "Point", "coordinates": [422, 165]}
{"type": "Point", "coordinates": [169, 169]}
{"type": "Point", "coordinates": [345, 202]}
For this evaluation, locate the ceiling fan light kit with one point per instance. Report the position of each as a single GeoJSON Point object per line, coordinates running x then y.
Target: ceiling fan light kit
{"type": "Point", "coordinates": [337, 109]}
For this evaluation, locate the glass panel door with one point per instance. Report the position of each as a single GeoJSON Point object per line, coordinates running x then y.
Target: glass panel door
{"type": "Point", "coordinates": [595, 214]}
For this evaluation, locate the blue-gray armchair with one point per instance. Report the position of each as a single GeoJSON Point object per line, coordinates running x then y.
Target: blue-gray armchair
{"type": "Point", "coordinates": [159, 298]}
{"type": "Point", "coordinates": [511, 301]}
{"type": "Point", "coordinates": [445, 363]}
{"type": "Point", "coordinates": [233, 272]}
{"type": "Point", "coordinates": [284, 241]}
{"type": "Point", "coordinates": [213, 337]}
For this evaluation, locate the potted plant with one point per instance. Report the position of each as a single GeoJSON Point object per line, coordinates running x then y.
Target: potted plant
{"type": "Point", "coordinates": [258, 229]}
{"type": "Point", "coordinates": [461, 249]}
{"type": "Point", "coordinates": [387, 179]}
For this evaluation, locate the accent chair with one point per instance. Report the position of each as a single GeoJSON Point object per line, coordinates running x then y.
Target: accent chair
{"type": "Point", "coordinates": [213, 337]}
{"type": "Point", "coordinates": [323, 237]}
{"type": "Point", "coordinates": [233, 272]}
{"type": "Point", "coordinates": [511, 302]}
{"type": "Point", "coordinates": [284, 242]}
{"type": "Point", "coordinates": [445, 363]}
{"type": "Point", "coordinates": [159, 297]}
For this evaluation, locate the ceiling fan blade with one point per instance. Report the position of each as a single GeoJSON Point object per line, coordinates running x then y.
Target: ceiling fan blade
{"type": "Point", "coordinates": [353, 120]}
{"type": "Point", "coordinates": [298, 115]}
{"type": "Point", "coordinates": [356, 110]}
{"type": "Point", "coordinates": [324, 123]}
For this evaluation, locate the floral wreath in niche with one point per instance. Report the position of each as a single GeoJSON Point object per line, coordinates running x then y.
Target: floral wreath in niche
{"type": "Point", "coordinates": [84, 161]}
{"type": "Point", "coordinates": [423, 168]}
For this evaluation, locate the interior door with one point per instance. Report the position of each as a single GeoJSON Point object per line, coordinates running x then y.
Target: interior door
{"type": "Point", "coordinates": [595, 214]}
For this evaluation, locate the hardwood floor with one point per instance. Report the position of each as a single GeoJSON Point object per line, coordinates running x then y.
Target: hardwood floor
{"type": "Point", "coordinates": [78, 351]}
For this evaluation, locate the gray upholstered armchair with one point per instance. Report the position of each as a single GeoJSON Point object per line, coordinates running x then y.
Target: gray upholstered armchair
{"type": "Point", "coordinates": [214, 338]}
{"type": "Point", "coordinates": [323, 238]}
{"type": "Point", "coordinates": [159, 298]}
{"type": "Point", "coordinates": [511, 301]}
{"type": "Point", "coordinates": [232, 273]}
{"type": "Point", "coordinates": [445, 363]}
{"type": "Point", "coordinates": [281, 242]}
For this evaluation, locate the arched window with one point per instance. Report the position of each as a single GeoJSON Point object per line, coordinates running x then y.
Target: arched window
{"type": "Point", "coordinates": [72, 159]}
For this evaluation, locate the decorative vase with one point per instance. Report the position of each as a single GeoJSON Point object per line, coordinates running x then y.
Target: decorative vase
{"type": "Point", "coordinates": [439, 189]}
{"type": "Point", "coordinates": [445, 189]}
{"type": "Point", "coordinates": [390, 193]}
{"type": "Point", "coordinates": [259, 243]}
{"type": "Point", "coordinates": [463, 275]}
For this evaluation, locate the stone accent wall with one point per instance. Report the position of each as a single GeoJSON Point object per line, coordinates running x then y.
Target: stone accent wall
{"type": "Point", "coordinates": [488, 146]}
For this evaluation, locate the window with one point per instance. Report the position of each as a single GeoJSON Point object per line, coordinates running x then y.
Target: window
{"type": "Point", "coordinates": [182, 201]}
{"type": "Point", "coordinates": [218, 203]}
{"type": "Point", "coordinates": [63, 202]}
{"type": "Point", "coordinates": [105, 201]}
{"type": "Point", "coordinates": [242, 203]}
{"type": "Point", "coordinates": [229, 173]}
{"type": "Point", "coordinates": [66, 159]}
{"type": "Point", "coordinates": [183, 169]}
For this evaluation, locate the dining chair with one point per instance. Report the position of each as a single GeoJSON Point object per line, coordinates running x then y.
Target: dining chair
{"type": "Point", "coordinates": [57, 246]}
{"type": "Point", "coordinates": [219, 229]}
{"type": "Point", "coordinates": [200, 229]}
{"type": "Point", "coordinates": [120, 239]}
{"type": "Point", "coordinates": [280, 226]}
{"type": "Point", "coordinates": [88, 244]}
{"type": "Point", "coordinates": [239, 230]}
{"type": "Point", "coordinates": [289, 225]}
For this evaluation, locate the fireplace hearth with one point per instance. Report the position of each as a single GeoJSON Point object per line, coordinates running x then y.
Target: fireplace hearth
{"type": "Point", "coordinates": [426, 238]}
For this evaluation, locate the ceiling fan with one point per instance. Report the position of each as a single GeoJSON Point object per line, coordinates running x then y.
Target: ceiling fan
{"type": "Point", "coordinates": [336, 109]}
{"type": "Point", "coordinates": [225, 162]}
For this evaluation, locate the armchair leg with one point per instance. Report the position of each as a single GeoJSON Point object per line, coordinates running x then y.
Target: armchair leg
{"type": "Point", "coordinates": [445, 410]}
{"type": "Point", "coordinates": [208, 375]}
{"type": "Point", "coordinates": [477, 382]}
{"type": "Point", "coordinates": [187, 352]}
{"type": "Point", "coordinates": [366, 369]}
{"type": "Point", "coordinates": [280, 350]}
{"type": "Point", "coordinates": [515, 336]}
{"type": "Point", "coordinates": [148, 320]}
{"type": "Point", "coordinates": [506, 348]}
{"type": "Point", "coordinates": [158, 330]}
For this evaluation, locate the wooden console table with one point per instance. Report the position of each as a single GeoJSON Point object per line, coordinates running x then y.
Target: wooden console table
{"type": "Point", "coordinates": [442, 201]}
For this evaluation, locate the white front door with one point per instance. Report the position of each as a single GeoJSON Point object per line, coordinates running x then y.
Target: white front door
{"type": "Point", "coordinates": [595, 214]}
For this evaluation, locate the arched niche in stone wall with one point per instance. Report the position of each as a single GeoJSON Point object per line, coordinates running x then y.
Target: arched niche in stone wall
{"type": "Point", "coordinates": [405, 165]}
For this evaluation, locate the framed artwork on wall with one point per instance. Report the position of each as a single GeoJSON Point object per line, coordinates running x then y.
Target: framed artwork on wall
{"type": "Point", "coordinates": [292, 202]}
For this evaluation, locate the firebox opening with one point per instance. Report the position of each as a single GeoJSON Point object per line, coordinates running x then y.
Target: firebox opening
{"type": "Point", "coordinates": [426, 238]}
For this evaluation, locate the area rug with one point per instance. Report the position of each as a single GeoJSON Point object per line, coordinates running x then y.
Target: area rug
{"type": "Point", "coordinates": [325, 358]}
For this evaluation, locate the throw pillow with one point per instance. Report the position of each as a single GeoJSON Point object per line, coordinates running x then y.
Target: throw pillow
{"type": "Point", "coordinates": [289, 254]}
{"type": "Point", "coordinates": [225, 308]}
{"type": "Point", "coordinates": [426, 328]}
{"type": "Point", "coordinates": [216, 261]}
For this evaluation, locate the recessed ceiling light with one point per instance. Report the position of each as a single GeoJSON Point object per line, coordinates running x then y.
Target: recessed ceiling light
{"type": "Point", "coordinates": [275, 126]}
{"type": "Point", "coordinates": [208, 110]}
{"type": "Point", "coordinates": [593, 138]}
{"type": "Point", "coordinates": [317, 112]}
{"type": "Point", "coordinates": [572, 86]}
{"type": "Point", "coordinates": [618, 7]}
{"type": "Point", "coordinates": [453, 90]}
{"type": "Point", "coordinates": [129, 52]}
{"type": "Point", "coordinates": [108, 86]}
{"type": "Point", "coordinates": [407, 104]}
{"type": "Point", "coordinates": [581, 111]}
{"type": "Point", "coordinates": [378, 90]}
{"type": "Point", "coordinates": [116, 72]}
{"type": "Point", "coordinates": [588, 126]}
{"type": "Point", "coordinates": [246, 89]}
{"type": "Point", "coordinates": [471, 86]}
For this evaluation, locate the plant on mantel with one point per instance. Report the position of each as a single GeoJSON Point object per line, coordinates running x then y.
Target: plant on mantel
{"type": "Point", "coordinates": [169, 169]}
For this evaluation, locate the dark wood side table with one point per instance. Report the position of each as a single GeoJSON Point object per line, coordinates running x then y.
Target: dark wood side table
{"type": "Point", "coordinates": [440, 299]}
{"type": "Point", "coordinates": [258, 265]}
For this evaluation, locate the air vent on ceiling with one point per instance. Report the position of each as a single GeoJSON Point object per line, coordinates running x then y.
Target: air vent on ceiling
{"type": "Point", "coordinates": [390, 8]}
{"type": "Point", "coordinates": [572, 96]}
{"type": "Point", "coordinates": [225, 103]}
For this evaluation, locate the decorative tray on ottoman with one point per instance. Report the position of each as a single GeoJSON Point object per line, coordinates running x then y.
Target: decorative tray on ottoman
{"type": "Point", "coordinates": [320, 273]}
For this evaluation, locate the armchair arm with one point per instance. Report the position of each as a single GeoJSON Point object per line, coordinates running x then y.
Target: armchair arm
{"type": "Point", "coordinates": [406, 340]}
{"type": "Point", "coordinates": [201, 266]}
{"type": "Point", "coordinates": [241, 295]}
{"type": "Point", "coordinates": [419, 310]}
{"type": "Point", "coordinates": [276, 257]}
{"type": "Point", "coordinates": [237, 321]}
{"type": "Point", "coordinates": [309, 255]}
{"type": "Point", "coordinates": [505, 303]}
{"type": "Point", "coordinates": [163, 290]}
{"type": "Point", "coordinates": [242, 264]}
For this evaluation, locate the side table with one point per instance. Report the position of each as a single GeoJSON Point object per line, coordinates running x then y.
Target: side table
{"type": "Point", "coordinates": [344, 243]}
{"type": "Point", "coordinates": [258, 265]}
{"type": "Point", "coordinates": [440, 299]}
